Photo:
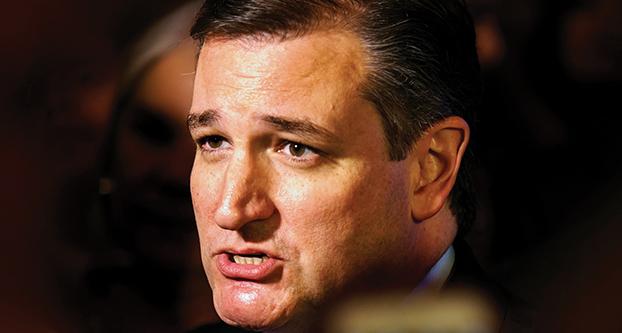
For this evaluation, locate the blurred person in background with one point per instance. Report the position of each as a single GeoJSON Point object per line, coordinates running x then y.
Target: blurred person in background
{"type": "Point", "coordinates": [148, 277]}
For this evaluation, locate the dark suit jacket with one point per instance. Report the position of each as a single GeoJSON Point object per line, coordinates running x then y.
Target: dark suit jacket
{"type": "Point", "coordinates": [514, 314]}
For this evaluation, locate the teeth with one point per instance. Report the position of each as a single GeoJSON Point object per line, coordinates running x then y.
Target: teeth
{"type": "Point", "coordinates": [242, 260]}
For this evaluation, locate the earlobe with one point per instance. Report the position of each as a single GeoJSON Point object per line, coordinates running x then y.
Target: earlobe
{"type": "Point", "coordinates": [438, 155]}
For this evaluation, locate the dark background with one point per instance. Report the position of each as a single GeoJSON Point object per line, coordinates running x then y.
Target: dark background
{"type": "Point", "coordinates": [547, 142]}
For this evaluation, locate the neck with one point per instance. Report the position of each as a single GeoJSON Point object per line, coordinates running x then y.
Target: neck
{"type": "Point", "coordinates": [434, 237]}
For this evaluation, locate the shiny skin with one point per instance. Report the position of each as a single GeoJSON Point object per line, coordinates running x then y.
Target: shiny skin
{"type": "Point", "coordinates": [328, 205]}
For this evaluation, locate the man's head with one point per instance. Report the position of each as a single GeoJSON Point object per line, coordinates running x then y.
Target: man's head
{"type": "Point", "coordinates": [328, 144]}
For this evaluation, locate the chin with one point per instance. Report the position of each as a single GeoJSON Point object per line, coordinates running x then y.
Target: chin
{"type": "Point", "coordinates": [250, 320]}
{"type": "Point", "coordinates": [251, 309]}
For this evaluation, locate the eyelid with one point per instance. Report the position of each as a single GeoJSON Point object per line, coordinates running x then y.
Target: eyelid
{"type": "Point", "coordinates": [203, 140]}
{"type": "Point", "coordinates": [200, 134]}
{"type": "Point", "coordinates": [312, 157]}
{"type": "Point", "coordinates": [285, 143]}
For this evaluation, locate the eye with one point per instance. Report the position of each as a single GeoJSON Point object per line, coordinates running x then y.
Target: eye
{"type": "Point", "coordinates": [299, 155]}
{"type": "Point", "coordinates": [212, 143]}
{"type": "Point", "coordinates": [297, 149]}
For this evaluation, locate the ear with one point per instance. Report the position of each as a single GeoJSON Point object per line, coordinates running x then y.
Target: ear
{"type": "Point", "coordinates": [437, 157]}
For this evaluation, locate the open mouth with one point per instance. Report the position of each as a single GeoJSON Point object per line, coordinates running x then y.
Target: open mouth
{"type": "Point", "coordinates": [248, 265]}
{"type": "Point", "coordinates": [248, 259]}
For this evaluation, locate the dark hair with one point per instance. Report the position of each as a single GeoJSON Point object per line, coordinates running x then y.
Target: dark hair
{"type": "Point", "coordinates": [422, 63]}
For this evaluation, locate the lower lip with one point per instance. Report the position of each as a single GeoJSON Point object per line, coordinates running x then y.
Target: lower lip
{"type": "Point", "coordinates": [250, 272]}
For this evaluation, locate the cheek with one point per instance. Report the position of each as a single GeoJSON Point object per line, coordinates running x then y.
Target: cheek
{"type": "Point", "coordinates": [321, 221]}
{"type": "Point", "coordinates": [195, 190]}
{"type": "Point", "coordinates": [201, 190]}
{"type": "Point", "coordinates": [339, 223]}
{"type": "Point", "coordinates": [201, 200]}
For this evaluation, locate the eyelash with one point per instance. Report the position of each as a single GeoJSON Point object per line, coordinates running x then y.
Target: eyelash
{"type": "Point", "coordinates": [203, 144]}
{"type": "Point", "coordinates": [297, 159]}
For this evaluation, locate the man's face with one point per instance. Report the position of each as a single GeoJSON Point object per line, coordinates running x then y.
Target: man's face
{"type": "Point", "coordinates": [296, 201]}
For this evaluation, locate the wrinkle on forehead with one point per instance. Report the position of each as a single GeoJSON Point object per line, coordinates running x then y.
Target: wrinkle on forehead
{"type": "Point", "coordinates": [326, 55]}
{"type": "Point", "coordinates": [311, 78]}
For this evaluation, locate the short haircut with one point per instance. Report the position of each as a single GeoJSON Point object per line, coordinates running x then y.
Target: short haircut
{"type": "Point", "coordinates": [422, 61]}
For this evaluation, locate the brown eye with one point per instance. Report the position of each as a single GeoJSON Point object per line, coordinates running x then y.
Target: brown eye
{"type": "Point", "coordinates": [214, 141]}
{"type": "Point", "coordinates": [297, 149]}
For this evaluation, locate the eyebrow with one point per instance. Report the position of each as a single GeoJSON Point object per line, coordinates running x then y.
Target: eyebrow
{"type": "Point", "coordinates": [202, 119]}
{"type": "Point", "coordinates": [303, 128]}
{"type": "Point", "coordinates": [299, 127]}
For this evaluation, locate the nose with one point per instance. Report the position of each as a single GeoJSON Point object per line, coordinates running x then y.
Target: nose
{"type": "Point", "coordinates": [244, 195]}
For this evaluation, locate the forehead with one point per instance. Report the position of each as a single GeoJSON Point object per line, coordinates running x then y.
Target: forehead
{"type": "Point", "coordinates": [320, 66]}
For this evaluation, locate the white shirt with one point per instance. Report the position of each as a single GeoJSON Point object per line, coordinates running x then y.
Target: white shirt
{"type": "Point", "coordinates": [438, 274]}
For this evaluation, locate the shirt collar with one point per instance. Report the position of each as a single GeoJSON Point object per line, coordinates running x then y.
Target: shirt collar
{"type": "Point", "coordinates": [438, 274]}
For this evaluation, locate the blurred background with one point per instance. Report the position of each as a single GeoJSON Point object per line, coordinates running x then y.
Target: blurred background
{"type": "Point", "coordinates": [93, 98]}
